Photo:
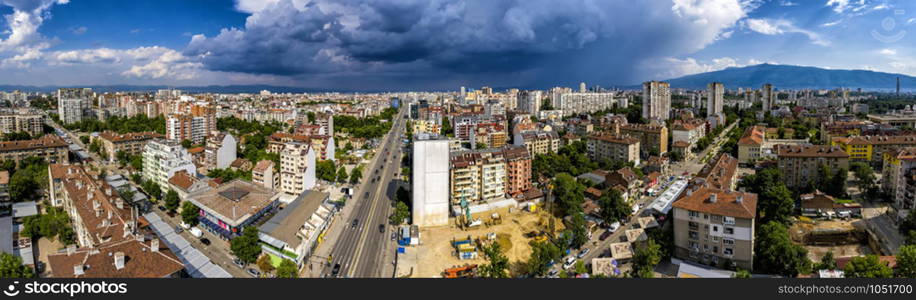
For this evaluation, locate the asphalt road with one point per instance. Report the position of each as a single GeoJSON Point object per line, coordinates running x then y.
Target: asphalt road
{"type": "Point", "coordinates": [361, 250]}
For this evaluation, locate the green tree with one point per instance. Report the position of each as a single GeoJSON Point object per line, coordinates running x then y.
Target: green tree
{"type": "Point", "coordinates": [579, 230]}
{"type": "Point", "coordinates": [264, 264]}
{"type": "Point", "coordinates": [868, 266]}
{"type": "Point", "coordinates": [326, 170]}
{"type": "Point", "coordinates": [171, 200]}
{"type": "Point", "coordinates": [187, 144]}
{"type": "Point", "coordinates": [837, 183]}
{"type": "Point", "coordinates": [480, 145]}
{"type": "Point", "coordinates": [356, 174]}
{"type": "Point", "coordinates": [909, 223]}
{"type": "Point", "coordinates": [541, 254]}
{"type": "Point", "coordinates": [776, 204]}
{"type": "Point", "coordinates": [190, 213]}
{"type": "Point", "coordinates": [246, 246]}
{"type": "Point", "coordinates": [613, 207]}
{"type": "Point", "coordinates": [774, 252]}
{"type": "Point", "coordinates": [497, 263]}
{"type": "Point", "coordinates": [569, 194]}
{"type": "Point", "coordinates": [645, 259]}
{"type": "Point", "coordinates": [287, 269]}
{"type": "Point", "coordinates": [906, 261]}
{"type": "Point", "coordinates": [152, 188]}
{"type": "Point", "coordinates": [580, 268]}
{"type": "Point", "coordinates": [342, 175]}
{"type": "Point", "coordinates": [827, 262]}
{"type": "Point", "coordinates": [401, 213]}
{"type": "Point", "coordinates": [11, 267]}
{"type": "Point", "coordinates": [741, 273]}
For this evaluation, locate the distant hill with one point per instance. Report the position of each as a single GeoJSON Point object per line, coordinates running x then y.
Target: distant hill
{"type": "Point", "coordinates": [795, 77]}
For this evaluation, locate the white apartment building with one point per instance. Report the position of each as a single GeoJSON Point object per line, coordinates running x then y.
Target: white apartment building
{"type": "Point", "coordinates": [578, 103]}
{"type": "Point", "coordinates": [430, 182]}
{"type": "Point", "coordinates": [297, 168]}
{"type": "Point", "coordinates": [186, 127]}
{"type": "Point", "coordinates": [162, 158]}
{"type": "Point", "coordinates": [220, 151]}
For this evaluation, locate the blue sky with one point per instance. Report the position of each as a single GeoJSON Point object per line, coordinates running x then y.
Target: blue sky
{"type": "Point", "coordinates": [439, 44]}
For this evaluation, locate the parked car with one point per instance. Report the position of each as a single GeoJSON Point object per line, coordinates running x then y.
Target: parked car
{"type": "Point", "coordinates": [583, 253]}
{"type": "Point", "coordinates": [614, 226]}
{"type": "Point", "coordinates": [162, 208]}
{"type": "Point", "coordinates": [605, 235]}
{"type": "Point", "coordinates": [205, 241]}
{"type": "Point", "coordinates": [238, 262]}
{"type": "Point", "coordinates": [570, 261]}
{"type": "Point", "coordinates": [553, 273]}
{"type": "Point", "coordinates": [253, 272]}
{"type": "Point", "coordinates": [178, 229]}
{"type": "Point", "coordinates": [394, 236]}
{"type": "Point", "coordinates": [355, 223]}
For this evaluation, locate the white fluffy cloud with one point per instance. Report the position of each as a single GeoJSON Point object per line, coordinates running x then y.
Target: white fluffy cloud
{"type": "Point", "coordinates": [676, 67]}
{"type": "Point", "coordinates": [24, 43]}
{"type": "Point", "coordinates": [783, 26]}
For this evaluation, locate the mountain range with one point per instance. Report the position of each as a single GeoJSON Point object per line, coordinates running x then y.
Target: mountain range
{"type": "Point", "coordinates": [795, 77]}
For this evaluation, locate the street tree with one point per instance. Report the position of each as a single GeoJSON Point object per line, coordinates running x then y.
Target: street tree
{"type": "Point", "coordinates": [246, 247]}
{"type": "Point", "coordinates": [868, 266]}
{"type": "Point", "coordinates": [190, 213]}
{"type": "Point", "coordinates": [287, 269]}
{"type": "Point", "coordinates": [827, 262]}
{"type": "Point", "coordinates": [171, 200]}
{"type": "Point", "coordinates": [613, 207]}
{"type": "Point", "coordinates": [401, 213]}
{"type": "Point", "coordinates": [356, 174]}
{"type": "Point", "coordinates": [645, 259]}
{"type": "Point", "coordinates": [541, 254]}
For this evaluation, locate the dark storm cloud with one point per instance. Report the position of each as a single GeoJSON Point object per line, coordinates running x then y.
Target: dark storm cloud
{"type": "Point", "coordinates": [531, 42]}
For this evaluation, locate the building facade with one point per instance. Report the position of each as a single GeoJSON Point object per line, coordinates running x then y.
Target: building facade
{"type": "Point", "coordinates": [162, 158]}
{"type": "Point", "coordinates": [619, 148]}
{"type": "Point", "coordinates": [430, 182]}
{"type": "Point", "coordinates": [656, 100]}
{"type": "Point", "coordinates": [713, 226]}
{"type": "Point", "coordinates": [799, 164]}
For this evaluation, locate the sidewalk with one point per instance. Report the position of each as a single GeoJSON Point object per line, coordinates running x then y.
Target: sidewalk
{"type": "Point", "coordinates": [319, 257]}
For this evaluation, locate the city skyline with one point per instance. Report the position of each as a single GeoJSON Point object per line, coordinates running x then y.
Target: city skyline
{"type": "Point", "coordinates": [436, 45]}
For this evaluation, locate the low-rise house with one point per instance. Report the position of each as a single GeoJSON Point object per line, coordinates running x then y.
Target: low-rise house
{"type": "Point", "coordinates": [228, 208]}
{"type": "Point", "coordinates": [293, 232]}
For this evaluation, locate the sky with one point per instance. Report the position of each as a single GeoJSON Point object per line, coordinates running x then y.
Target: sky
{"type": "Point", "coordinates": [355, 45]}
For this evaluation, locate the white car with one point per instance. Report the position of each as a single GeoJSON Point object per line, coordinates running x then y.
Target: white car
{"type": "Point", "coordinates": [570, 261]}
{"type": "Point", "coordinates": [614, 226]}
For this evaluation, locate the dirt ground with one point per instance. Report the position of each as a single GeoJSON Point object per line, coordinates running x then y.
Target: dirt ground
{"type": "Point", "coordinates": [816, 252]}
{"type": "Point", "coordinates": [799, 230]}
{"type": "Point", "coordinates": [436, 253]}
{"type": "Point", "coordinates": [45, 247]}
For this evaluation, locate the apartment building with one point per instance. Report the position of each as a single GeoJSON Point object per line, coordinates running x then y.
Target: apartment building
{"type": "Point", "coordinates": [718, 173]}
{"type": "Point", "coordinates": [71, 103]}
{"type": "Point", "coordinates": [768, 97]}
{"type": "Point", "coordinates": [538, 142]}
{"type": "Point", "coordinates": [653, 139]}
{"type": "Point", "coordinates": [131, 143]}
{"type": "Point", "coordinates": [799, 164]}
{"type": "Point", "coordinates": [871, 149]}
{"type": "Point", "coordinates": [619, 148]}
{"type": "Point", "coordinates": [326, 124]}
{"type": "Point", "coordinates": [187, 127]}
{"type": "Point", "coordinates": [22, 121]}
{"type": "Point", "coordinates": [220, 150]}
{"type": "Point", "coordinates": [323, 144]}
{"type": "Point", "coordinates": [430, 182]}
{"type": "Point", "coordinates": [110, 243]}
{"type": "Point", "coordinates": [583, 102]}
{"type": "Point", "coordinates": [426, 126]}
{"type": "Point", "coordinates": [297, 168]}
{"type": "Point", "coordinates": [518, 169]}
{"type": "Point", "coordinates": [715, 99]}
{"type": "Point", "coordinates": [263, 174]}
{"type": "Point", "coordinates": [750, 146]}
{"type": "Point", "coordinates": [493, 135]}
{"type": "Point", "coordinates": [899, 177]}
{"type": "Point", "coordinates": [50, 147]}
{"type": "Point", "coordinates": [656, 100]}
{"type": "Point", "coordinates": [688, 131]}
{"type": "Point", "coordinates": [162, 158]}
{"type": "Point", "coordinates": [714, 226]}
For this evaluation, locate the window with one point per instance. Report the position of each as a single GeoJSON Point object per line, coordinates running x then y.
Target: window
{"type": "Point", "coordinates": [693, 225]}
{"type": "Point", "coordinates": [693, 213]}
{"type": "Point", "coordinates": [728, 251]}
{"type": "Point", "coordinates": [715, 249]}
{"type": "Point", "coordinates": [729, 230]}
{"type": "Point", "coordinates": [729, 221]}
{"type": "Point", "coordinates": [693, 235]}
{"type": "Point", "coordinates": [728, 241]}
{"type": "Point", "coordinates": [715, 228]}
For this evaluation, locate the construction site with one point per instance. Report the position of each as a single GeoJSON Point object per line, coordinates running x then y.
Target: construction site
{"type": "Point", "coordinates": [456, 250]}
{"type": "Point", "coordinates": [844, 238]}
